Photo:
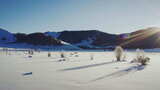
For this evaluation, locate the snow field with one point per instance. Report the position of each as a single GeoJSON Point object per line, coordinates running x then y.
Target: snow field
{"type": "Point", "coordinates": [77, 72]}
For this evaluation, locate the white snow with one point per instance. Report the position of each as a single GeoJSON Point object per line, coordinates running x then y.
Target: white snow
{"type": "Point", "coordinates": [56, 35]}
{"type": "Point", "coordinates": [78, 72]}
{"type": "Point", "coordinates": [53, 34]}
{"type": "Point", "coordinates": [87, 43]}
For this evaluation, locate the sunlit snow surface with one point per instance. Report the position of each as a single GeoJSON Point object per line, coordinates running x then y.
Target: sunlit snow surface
{"type": "Point", "coordinates": [78, 72]}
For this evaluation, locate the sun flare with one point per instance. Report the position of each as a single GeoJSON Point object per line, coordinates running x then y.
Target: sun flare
{"type": "Point", "coordinates": [142, 35]}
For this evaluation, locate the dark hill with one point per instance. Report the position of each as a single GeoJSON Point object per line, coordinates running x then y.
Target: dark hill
{"type": "Point", "coordinates": [145, 38]}
{"type": "Point", "coordinates": [36, 39]}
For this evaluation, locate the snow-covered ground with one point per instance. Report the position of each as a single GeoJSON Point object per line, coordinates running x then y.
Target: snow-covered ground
{"type": "Point", "coordinates": [78, 72]}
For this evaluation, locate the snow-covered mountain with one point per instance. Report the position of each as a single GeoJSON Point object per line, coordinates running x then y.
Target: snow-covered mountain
{"type": "Point", "coordinates": [33, 40]}
{"type": "Point", "coordinates": [93, 39]}
{"type": "Point", "coordinates": [86, 39]}
{"type": "Point", "coordinates": [6, 37]}
{"type": "Point", "coordinates": [53, 34]}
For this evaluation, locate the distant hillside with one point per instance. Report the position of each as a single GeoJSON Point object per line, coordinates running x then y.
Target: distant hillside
{"type": "Point", "coordinates": [86, 39]}
{"type": "Point", "coordinates": [144, 38]}
{"type": "Point", "coordinates": [36, 39]}
{"type": "Point", "coordinates": [6, 37]}
{"type": "Point", "coordinates": [33, 40]}
{"type": "Point", "coordinates": [41, 39]}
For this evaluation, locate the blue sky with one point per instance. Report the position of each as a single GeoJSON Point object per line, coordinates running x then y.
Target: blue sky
{"type": "Point", "coordinates": [112, 16]}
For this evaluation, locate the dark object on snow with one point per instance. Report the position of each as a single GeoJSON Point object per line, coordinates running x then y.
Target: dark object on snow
{"type": "Point", "coordinates": [76, 55]}
{"type": "Point", "coordinates": [27, 73]}
{"type": "Point", "coordinates": [62, 60]}
{"type": "Point", "coordinates": [49, 54]}
{"type": "Point", "coordinates": [29, 56]}
{"type": "Point", "coordinates": [62, 55]}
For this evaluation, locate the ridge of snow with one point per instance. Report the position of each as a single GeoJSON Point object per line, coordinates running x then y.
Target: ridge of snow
{"type": "Point", "coordinates": [53, 34]}
{"type": "Point", "coordinates": [86, 42]}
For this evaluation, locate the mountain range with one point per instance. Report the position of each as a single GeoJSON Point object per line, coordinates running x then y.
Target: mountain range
{"type": "Point", "coordinates": [85, 39]}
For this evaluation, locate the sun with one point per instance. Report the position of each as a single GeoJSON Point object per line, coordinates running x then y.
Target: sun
{"type": "Point", "coordinates": [142, 35]}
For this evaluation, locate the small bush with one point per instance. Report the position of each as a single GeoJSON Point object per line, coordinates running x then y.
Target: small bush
{"type": "Point", "coordinates": [118, 53]}
{"type": "Point", "coordinates": [49, 54]}
{"type": "Point", "coordinates": [91, 56]}
{"type": "Point", "coordinates": [141, 58]}
{"type": "Point", "coordinates": [62, 55]}
{"type": "Point", "coordinates": [30, 52]}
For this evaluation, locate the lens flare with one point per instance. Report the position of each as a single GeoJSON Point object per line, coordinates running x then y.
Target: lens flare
{"type": "Point", "coordinates": [142, 35]}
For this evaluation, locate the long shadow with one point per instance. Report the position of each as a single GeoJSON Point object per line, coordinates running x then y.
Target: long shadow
{"type": "Point", "coordinates": [121, 72]}
{"type": "Point", "coordinates": [88, 66]}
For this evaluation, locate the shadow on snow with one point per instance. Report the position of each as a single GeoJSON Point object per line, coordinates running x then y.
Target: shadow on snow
{"type": "Point", "coordinates": [87, 66]}
{"type": "Point", "coordinates": [121, 72]}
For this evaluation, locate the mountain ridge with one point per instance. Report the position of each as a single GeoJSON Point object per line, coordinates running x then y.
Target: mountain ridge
{"type": "Point", "coordinates": [93, 39]}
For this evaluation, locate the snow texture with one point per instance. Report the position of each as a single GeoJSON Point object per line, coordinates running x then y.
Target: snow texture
{"type": "Point", "coordinates": [77, 71]}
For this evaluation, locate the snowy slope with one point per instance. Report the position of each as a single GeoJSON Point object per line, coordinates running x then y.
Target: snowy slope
{"type": "Point", "coordinates": [56, 35]}
{"type": "Point", "coordinates": [53, 34]}
{"type": "Point", "coordinates": [88, 43]}
{"type": "Point", "coordinates": [85, 39]}
{"type": "Point", "coordinates": [6, 37]}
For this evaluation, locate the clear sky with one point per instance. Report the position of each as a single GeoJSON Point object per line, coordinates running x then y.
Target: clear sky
{"type": "Point", "coordinates": [112, 16]}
